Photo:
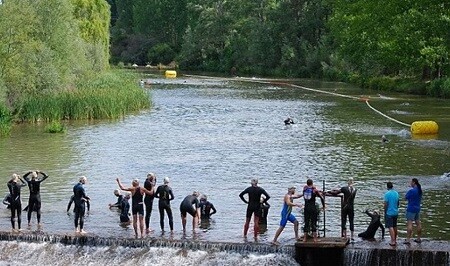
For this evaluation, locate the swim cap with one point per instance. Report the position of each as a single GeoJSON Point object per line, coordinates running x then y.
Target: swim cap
{"type": "Point", "coordinates": [254, 181]}
{"type": "Point", "coordinates": [116, 192]}
{"type": "Point", "coordinates": [83, 179]}
{"type": "Point", "coordinates": [166, 180]}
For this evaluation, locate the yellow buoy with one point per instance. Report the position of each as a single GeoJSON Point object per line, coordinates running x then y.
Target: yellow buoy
{"type": "Point", "coordinates": [424, 127]}
{"type": "Point", "coordinates": [171, 74]}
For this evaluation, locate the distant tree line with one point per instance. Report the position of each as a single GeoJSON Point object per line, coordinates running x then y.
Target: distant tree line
{"type": "Point", "coordinates": [395, 44]}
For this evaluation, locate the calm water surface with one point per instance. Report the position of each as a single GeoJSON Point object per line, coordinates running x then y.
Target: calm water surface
{"type": "Point", "coordinates": [214, 136]}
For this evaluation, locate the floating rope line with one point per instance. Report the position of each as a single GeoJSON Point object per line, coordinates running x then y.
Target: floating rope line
{"type": "Point", "coordinates": [309, 89]}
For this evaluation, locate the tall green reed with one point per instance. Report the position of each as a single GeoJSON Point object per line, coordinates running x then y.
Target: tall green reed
{"type": "Point", "coordinates": [110, 95]}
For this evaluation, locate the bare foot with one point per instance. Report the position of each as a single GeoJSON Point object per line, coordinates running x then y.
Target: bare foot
{"type": "Point", "coordinates": [276, 243]}
{"type": "Point", "coordinates": [83, 232]}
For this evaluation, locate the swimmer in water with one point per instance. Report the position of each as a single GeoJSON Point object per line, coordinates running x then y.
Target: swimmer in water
{"type": "Point", "coordinates": [125, 211]}
{"type": "Point", "coordinates": [288, 121]}
{"type": "Point", "coordinates": [118, 204]}
{"type": "Point", "coordinates": [384, 139]}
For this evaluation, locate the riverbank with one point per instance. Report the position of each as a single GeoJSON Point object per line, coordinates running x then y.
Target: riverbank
{"type": "Point", "coordinates": [109, 95]}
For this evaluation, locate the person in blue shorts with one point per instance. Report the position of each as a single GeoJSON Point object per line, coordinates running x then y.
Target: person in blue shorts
{"type": "Point", "coordinates": [414, 198]}
{"type": "Point", "coordinates": [286, 214]}
{"type": "Point", "coordinates": [391, 204]}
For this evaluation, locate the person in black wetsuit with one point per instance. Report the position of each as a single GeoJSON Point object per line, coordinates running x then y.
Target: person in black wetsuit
{"type": "Point", "coordinates": [34, 202]}
{"type": "Point", "coordinates": [118, 204]}
{"type": "Point", "coordinates": [288, 121]}
{"type": "Point", "coordinates": [190, 205]}
{"type": "Point", "coordinates": [88, 205]}
{"type": "Point", "coordinates": [80, 199]}
{"type": "Point", "coordinates": [15, 202]}
{"type": "Point", "coordinates": [149, 184]}
{"type": "Point", "coordinates": [165, 195]}
{"type": "Point", "coordinates": [125, 211]}
{"type": "Point", "coordinates": [347, 207]}
{"type": "Point", "coordinates": [254, 205]}
{"type": "Point", "coordinates": [137, 204]}
{"type": "Point", "coordinates": [375, 223]}
{"type": "Point", "coordinates": [205, 211]}
{"type": "Point", "coordinates": [265, 206]}
{"type": "Point", "coordinates": [311, 211]}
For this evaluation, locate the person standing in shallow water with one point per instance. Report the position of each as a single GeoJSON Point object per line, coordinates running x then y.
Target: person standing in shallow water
{"type": "Point", "coordinates": [149, 185]}
{"type": "Point", "coordinates": [165, 195]}
{"type": "Point", "coordinates": [137, 205]}
{"type": "Point", "coordinates": [391, 204]}
{"type": "Point", "coordinates": [414, 198]}
{"type": "Point", "coordinates": [253, 206]}
{"type": "Point", "coordinates": [34, 201]}
{"type": "Point", "coordinates": [190, 205]}
{"type": "Point", "coordinates": [15, 202]}
{"type": "Point", "coordinates": [80, 199]}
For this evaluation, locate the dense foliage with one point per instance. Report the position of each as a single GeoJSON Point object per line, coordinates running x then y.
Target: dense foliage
{"type": "Point", "coordinates": [54, 63]}
{"type": "Point", "coordinates": [393, 44]}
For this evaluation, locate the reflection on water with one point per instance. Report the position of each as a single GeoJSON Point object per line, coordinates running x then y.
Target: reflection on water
{"type": "Point", "coordinates": [214, 136]}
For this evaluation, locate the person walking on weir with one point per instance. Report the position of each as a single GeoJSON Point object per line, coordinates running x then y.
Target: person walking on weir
{"type": "Point", "coordinates": [253, 206]}
{"type": "Point", "coordinates": [286, 214]}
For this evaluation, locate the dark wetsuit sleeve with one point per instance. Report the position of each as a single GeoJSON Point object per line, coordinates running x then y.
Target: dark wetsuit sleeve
{"type": "Point", "coordinates": [242, 195]}
{"type": "Point", "coordinates": [45, 176]}
{"type": "Point", "coordinates": [88, 205]}
{"type": "Point", "coordinates": [171, 194]}
{"type": "Point", "coordinates": [70, 203]}
{"type": "Point", "coordinates": [265, 194]}
{"type": "Point", "coordinates": [25, 176]}
{"type": "Point", "coordinates": [213, 209]}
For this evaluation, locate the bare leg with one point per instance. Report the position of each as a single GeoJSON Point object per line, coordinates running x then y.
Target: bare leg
{"type": "Point", "coordinates": [246, 225]}
{"type": "Point", "coordinates": [141, 224]}
{"type": "Point", "coordinates": [194, 223]}
{"type": "Point", "coordinates": [183, 222]}
{"type": "Point", "coordinates": [419, 230]}
{"type": "Point", "coordinates": [255, 226]}
{"type": "Point", "coordinates": [135, 225]}
{"type": "Point", "coordinates": [277, 234]}
{"type": "Point", "coordinates": [296, 230]}
{"type": "Point", "coordinates": [409, 229]}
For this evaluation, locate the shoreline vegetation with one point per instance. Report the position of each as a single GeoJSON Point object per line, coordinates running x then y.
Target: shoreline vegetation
{"type": "Point", "coordinates": [110, 95]}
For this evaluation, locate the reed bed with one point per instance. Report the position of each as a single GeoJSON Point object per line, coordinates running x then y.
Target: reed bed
{"type": "Point", "coordinates": [109, 96]}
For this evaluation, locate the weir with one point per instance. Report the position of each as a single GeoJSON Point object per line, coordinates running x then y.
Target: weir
{"type": "Point", "coordinates": [360, 253]}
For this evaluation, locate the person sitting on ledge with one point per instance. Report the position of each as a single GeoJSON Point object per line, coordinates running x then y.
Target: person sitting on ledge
{"type": "Point", "coordinates": [375, 223]}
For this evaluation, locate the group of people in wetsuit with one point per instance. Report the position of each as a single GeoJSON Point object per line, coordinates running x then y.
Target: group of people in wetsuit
{"type": "Point", "coordinates": [200, 210]}
{"type": "Point", "coordinates": [14, 201]}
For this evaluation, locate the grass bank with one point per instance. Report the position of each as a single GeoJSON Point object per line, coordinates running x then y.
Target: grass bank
{"type": "Point", "coordinates": [108, 96]}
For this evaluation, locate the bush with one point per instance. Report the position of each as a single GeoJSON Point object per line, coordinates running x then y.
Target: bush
{"type": "Point", "coordinates": [55, 127]}
{"type": "Point", "coordinates": [161, 53]}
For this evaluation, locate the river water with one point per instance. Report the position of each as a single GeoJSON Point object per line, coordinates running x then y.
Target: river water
{"type": "Point", "coordinates": [214, 135]}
